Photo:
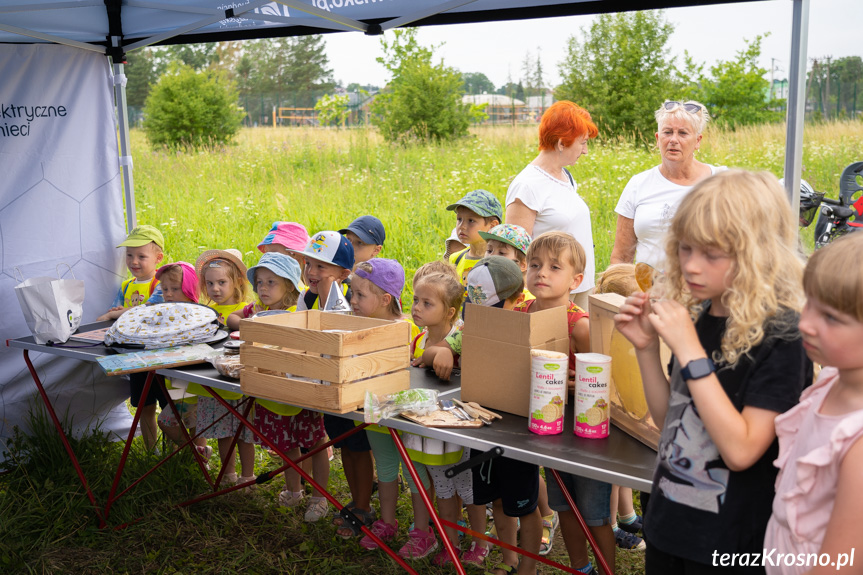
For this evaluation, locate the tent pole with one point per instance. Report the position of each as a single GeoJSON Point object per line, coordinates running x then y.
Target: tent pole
{"type": "Point", "coordinates": [796, 102]}
{"type": "Point", "coordinates": [125, 156]}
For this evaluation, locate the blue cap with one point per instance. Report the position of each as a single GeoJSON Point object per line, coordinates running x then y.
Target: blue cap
{"type": "Point", "coordinates": [369, 229]}
{"type": "Point", "coordinates": [331, 248]}
{"type": "Point", "coordinates": [282, 265]}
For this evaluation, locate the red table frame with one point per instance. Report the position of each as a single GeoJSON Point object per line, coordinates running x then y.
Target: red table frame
{"type": "Point", "coordinates": [102, 514]}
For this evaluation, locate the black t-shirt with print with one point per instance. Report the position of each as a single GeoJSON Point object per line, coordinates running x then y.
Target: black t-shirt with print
{"type": "Point", "coordinates": [697, 505]}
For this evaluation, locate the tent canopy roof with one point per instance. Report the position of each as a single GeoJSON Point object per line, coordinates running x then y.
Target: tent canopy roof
{"type": "Point", "coordinates": [138, 23]}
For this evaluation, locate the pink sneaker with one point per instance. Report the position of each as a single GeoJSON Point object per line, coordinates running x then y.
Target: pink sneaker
{"type": "Point", "coordinates": [442, 558]}
{"type": "Point", "coordinates": [421, 544]}
{"type": "Point", "coordinates": [384, 531]}
{"type": "Point", "coordinates": [475, 555]}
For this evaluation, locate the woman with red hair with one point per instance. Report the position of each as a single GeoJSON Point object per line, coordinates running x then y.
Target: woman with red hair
{"type": "Point", "coordinates": [544, 196]}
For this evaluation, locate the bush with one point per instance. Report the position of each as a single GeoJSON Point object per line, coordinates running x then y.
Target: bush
{"type": "Point", "coordinates": [189, 109]}
{"type": "Point", "coordinates": [423, 100]}
{"type": "Point", "coordinates": [333, 110]}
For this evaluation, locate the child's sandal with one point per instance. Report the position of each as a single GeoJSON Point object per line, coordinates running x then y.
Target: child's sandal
{"type": "Point", "coordinates": [338, 520]}
{"type": "Point", "coordinates": [347, 530]}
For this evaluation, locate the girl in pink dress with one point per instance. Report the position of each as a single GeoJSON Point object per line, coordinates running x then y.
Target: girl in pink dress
{"type": "Point", "coordinates": [815, 523]}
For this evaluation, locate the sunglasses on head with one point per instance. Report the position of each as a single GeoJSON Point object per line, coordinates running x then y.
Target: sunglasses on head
{"type": "Point", "coordinates": [688, 106]}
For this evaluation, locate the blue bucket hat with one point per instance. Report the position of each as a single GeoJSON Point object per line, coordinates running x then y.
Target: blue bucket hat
{"type": "Point", "coordinates": [282, 265]}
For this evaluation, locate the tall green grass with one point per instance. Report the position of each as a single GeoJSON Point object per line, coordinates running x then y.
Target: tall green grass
{"type": "Point", "coordinates": [324, 178]}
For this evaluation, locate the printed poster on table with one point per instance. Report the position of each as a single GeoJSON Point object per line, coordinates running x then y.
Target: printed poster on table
{"type": "Point", "coordinates": [60, 202]}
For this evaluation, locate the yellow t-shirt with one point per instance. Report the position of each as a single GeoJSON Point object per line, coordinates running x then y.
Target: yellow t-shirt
{"type": "Point", "coordinates": [137, 293]}
{"type": "Point", "coordinates": [224, 311]}
{"type": "Point", "coordinates": [423, 449]}
{"type": "Point", "coordinates": [463, 263]}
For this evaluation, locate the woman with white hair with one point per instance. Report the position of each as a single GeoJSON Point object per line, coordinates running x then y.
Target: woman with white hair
{"type": "Point", "coordinates": [650, 199]}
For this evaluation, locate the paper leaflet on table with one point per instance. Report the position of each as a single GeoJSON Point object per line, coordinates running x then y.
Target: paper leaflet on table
{"type": "Point", "coordinates": [156, 358]}
{"type": "Point", "coordinates": [336, 301]}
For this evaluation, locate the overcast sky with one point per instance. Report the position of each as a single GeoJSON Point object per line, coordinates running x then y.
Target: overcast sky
{"type": "Point", "coordinates": [709, 33]}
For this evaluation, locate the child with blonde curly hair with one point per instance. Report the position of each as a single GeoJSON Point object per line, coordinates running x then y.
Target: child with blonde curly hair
{"type": "Point", "coordinates": [727, 307]}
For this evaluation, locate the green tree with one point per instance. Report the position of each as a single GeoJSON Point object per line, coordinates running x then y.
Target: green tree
{"type": "Point", "coordinates": [620, 72]}
{"type": "Point", "coordinates": [736, 93]}
{"type": "Point", "coordinates": [333, 110]}
{"type": "Point", "coordinates": [532, 74]}
{"type": "Point", "coordinates": [422, 100]}
{"type": "Point", "coordinates": [477, 83]}
{"type": "Point", "coordinates": [196, 56]}
{"type": "Point", "coordinates": [141, 71]}
{"type": "Point", "coordinates": [191, 109]}
{"type": "Point", "coordinates": [297, 69]}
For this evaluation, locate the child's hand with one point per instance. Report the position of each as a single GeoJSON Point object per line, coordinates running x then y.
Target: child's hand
{"type": "Point", "coordinates": [675, 326]}
{"type": "Point", "coordinates": [417, 362]}
{"type": "Point", "coordinates": [112, 314]}
{"type": "Point", "coordinates": [443, 363]}
{"type": "Point", "coordinates": [632, 321]}
{"type": "Point", "coordinates": [570, 381]}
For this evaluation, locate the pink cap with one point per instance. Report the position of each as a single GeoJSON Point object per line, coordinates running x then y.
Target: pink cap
{"type": "Point", "coordinates": [292, 235]}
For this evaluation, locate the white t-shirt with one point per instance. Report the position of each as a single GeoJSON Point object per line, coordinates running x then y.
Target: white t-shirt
{"type": "Point", "coordinates": [651, 201]}
{"type": "Point", "coordinates": [558, 207]}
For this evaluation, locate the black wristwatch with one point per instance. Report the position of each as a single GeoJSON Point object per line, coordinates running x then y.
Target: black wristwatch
{"type": "Point", "coordinates": [697, 368]}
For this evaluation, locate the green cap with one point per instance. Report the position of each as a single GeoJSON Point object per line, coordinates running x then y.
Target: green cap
{"type": "Point", "coordinates": [482, 203]}
{"type": "Point", "coordinates": [143, 235]}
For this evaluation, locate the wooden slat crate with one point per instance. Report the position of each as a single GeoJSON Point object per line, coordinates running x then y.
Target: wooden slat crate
{"type": "Point", "coordinates": [348, 354]}
{"type": "Point", "coordinates": [628, 404]}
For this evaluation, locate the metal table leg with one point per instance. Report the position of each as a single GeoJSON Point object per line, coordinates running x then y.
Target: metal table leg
{"type": "Point", "coordinates": [427, 502]}
{"type": "Point", "coordinates": [64, 439]}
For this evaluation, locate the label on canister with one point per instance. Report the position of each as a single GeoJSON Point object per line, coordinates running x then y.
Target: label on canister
{"type": "Point", "coordinates": [592, 386]}
{"type": "Point", "coordinates": [548, 371]}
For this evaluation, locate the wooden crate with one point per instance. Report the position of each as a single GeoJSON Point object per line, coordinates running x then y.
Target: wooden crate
{"type": "Point", "coordinates": [628, 404]}
{"type": "Point", "coordinates": [362, 354]}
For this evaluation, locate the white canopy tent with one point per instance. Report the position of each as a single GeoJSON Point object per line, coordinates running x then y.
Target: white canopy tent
{"type": "Point", "coordinates": [114, 27]}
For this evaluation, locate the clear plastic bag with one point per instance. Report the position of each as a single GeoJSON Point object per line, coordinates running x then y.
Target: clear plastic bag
{"type": "Point", "coordinates": [228, 365]}
{"type": "Point", "coordinates": [419, 401]}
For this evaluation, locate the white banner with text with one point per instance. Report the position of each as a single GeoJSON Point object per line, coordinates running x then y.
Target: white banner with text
{"type": "Point", "coordinates": [60, 203]}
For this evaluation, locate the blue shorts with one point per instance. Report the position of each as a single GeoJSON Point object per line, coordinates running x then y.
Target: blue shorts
{"type": "Point", "coordinates": [592, 497]}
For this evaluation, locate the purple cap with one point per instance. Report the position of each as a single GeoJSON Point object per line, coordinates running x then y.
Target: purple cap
{"type": "Point", "coordinates": [389, 275]}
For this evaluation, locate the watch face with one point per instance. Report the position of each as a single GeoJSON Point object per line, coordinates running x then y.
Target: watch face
{"type": "Point", "coordinates": [698, 368]}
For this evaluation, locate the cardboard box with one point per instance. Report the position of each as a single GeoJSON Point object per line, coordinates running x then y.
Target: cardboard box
{"type": "Point", "coordinates": [628, 404]}
{"type": "Point", "coordinates": [495, 360]}
{"type": "Point", "coordinates": [348, 355]}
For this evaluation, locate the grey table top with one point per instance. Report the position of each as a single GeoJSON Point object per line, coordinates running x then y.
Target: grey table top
{"type": "Point", "coordinates": [618, 459]}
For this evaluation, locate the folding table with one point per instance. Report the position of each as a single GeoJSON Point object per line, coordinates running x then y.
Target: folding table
{"type": "Point", "coordinates": [619, 459]}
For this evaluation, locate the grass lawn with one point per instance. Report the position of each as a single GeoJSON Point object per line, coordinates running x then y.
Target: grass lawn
{"type": "Point", "coordinates": [323, 179]}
